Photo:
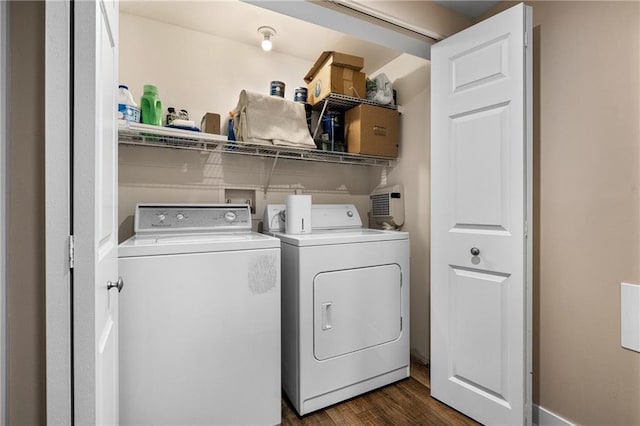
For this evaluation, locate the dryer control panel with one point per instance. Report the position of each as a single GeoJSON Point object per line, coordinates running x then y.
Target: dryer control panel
{"type": "Point", "coordinates": [156, 218]}
{"type": "Point", "coordinates": [335, 216]}
{"type": "Point", "coordinates": [323, 216]}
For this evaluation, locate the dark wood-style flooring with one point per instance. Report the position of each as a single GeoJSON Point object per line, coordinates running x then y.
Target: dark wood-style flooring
{"type": "Point", "coordinates": [407, 402]}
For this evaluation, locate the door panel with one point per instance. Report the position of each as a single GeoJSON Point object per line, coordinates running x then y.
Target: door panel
{"type": "Point", "coordinates": [107, 161]}
{"type": "Point", "coordinates": [480, 168]}
{"type": "Point", "coordinates": [480, 65]}
{"type": "Point", "coordinates": [355, 309]}
{"type": "Point", "coordinates": [480, 205]}
{"type": "Point", "coordinates": [95, 174]}
{"type": "Point", "coordinates": [479, 347]}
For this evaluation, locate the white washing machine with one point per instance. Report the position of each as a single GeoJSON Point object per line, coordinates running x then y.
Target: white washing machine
{"type": "Point", "coordinates": [199, 323]}
{"type": "Point", "coordinates": [345, 307]}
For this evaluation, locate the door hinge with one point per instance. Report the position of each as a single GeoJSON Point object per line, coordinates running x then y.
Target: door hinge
{"type": "Point", "coordinates": [526, 39]}
{"type": "Point", "coordinates": [526, 230]}
{"type": "Point", "coordinates": [72, 248]}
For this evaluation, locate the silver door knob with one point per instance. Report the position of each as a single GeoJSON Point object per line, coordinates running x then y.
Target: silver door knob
{"type": "Point", "coordinates": [475, 251]}
{"type": "Point", "coordinates": [119, 284]}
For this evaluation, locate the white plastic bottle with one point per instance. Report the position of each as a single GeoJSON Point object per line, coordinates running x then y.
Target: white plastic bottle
{"type": "Point", "coordinates": [127, 108]}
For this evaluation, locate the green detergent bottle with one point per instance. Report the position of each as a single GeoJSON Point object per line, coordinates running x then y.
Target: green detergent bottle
{"type": "Point", "coordinates": [150, 106]}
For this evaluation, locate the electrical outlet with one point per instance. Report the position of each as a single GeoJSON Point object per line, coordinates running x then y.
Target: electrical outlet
{"type": "Point", "coordinates": [630, 316]}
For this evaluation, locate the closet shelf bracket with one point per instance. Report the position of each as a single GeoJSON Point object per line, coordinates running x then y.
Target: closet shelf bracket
{"type": "Point", "coordinates": [273, 167]}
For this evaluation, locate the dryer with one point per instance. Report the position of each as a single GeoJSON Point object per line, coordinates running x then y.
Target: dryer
{"type": "Point", "coordinates": [345, 307]}
{"type": "Point", "coordinates": [200, 321]}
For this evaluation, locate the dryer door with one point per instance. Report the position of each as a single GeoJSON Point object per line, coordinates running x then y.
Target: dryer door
{"type": "Point", "coordinates": [355, 309]}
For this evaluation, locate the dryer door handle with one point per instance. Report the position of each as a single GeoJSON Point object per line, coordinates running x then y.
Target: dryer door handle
{"type": "Point", "coordinates": [326, 316]}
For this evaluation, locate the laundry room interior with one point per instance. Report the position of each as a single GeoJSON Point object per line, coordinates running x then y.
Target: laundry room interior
{"type": "Point", "coordinates": [586, 162]}
{"type": "Point", "coordinates": [184, 49]}
{"type": "Point", "coordinates": [203, 72]}
{"type": "Point", "coordinates": [197, 68]}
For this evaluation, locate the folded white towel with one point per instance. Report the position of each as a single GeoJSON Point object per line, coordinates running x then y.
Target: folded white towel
{"type": "Point", "coordinates": [269, 120]}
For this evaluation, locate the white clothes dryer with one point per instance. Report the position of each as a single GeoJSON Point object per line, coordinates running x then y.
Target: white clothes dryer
{"type": "Point", "coordinates": [345, 307]}
{"type": "Point", "coordinates": [200, 321]}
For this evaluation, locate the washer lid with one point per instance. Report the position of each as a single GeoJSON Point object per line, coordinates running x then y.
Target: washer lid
{"type": "Point", "coordinates": [163, 244]}
{"type": "Point", "coordinates": [344, 236]}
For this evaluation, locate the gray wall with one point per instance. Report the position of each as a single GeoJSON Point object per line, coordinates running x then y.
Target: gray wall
{"type": "Point", "coordinates": [26, 372]}
{"type": "Point", "coordinates": [586, 206]}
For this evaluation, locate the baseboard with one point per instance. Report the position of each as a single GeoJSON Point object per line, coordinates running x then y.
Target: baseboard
{"type": "Point", "coordinates": [544, 417]}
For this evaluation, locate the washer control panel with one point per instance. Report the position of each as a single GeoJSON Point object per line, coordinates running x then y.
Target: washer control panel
{"type": "Point", "coordinates": [153, 218]}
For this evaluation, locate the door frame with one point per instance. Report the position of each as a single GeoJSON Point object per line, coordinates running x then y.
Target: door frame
{"type": "Point", "coordinates": [4, 173]}
{"type": "Point", "coordinates": [528, 249]}
{"type": "Point", "coordinates": [58, 219]}
{"type": "Point", "coordinates": [58, 174]}
{"type": "Point", "coordinates": [59, 177]}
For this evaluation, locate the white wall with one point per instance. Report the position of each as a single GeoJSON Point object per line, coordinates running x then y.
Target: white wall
{"type": "Point", "coordinates": [204, 73]}
{"type": "Point", "coordinates": [410, 77]}
{"type": "Point", "coordinates": [196, 71]}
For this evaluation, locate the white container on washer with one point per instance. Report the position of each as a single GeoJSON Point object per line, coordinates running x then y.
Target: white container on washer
{"type": "Point", "coordinates": [298, 214]}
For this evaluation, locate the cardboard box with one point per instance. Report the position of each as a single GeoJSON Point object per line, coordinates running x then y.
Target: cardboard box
{"type": "Point", "coordinates": [335, 72]}
{"type": "Point", "coordinates": [210, 123]}
{"type": "Point", "coordinates": [372, 130]}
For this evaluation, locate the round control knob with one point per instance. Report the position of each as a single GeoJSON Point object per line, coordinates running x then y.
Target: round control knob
{"type": "Point", "coordinates": [475, 251]}
{"type": "Point", "coordinates": [180, 216]}
{"type": "Point", "coordinates": [349, 213]}
{"type": "Point", "coordinates": [230, 216]}
{"type": "Point", "coordinates": [161, 217]}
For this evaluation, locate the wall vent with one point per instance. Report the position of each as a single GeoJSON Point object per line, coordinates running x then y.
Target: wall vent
{"type": "Point", "coordinates": [387, 207]}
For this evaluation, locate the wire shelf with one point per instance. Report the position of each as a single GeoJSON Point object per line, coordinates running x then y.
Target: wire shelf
{"type": "Point", "coordinates": [162, 137]}
{"type": "Point", "coordinates": [338, 102]}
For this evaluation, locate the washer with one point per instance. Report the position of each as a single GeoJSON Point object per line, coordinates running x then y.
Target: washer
{"type": "Point", "coordinates": [345, 307]}
{"type": "Point", "coordinates": [199, 321]}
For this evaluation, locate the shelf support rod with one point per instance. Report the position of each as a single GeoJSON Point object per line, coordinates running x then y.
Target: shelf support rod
{"type": "Point", "coordinates": [324, 107]}
{"type": "Point", "coordinates": [273, 167]}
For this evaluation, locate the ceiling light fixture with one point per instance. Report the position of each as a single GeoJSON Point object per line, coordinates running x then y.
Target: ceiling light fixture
{"type": "Point", "coordinates": [267, 33]}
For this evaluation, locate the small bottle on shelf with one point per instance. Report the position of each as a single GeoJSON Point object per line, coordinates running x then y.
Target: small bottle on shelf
{"type": "Point", "coordinates": [151, 106]}
{"type": "Point", "coordinates": [171, 115]}
{"type": "Point", "coordinates": [230, 133]}
{"type": "Point", "coordinates": [127, 108]}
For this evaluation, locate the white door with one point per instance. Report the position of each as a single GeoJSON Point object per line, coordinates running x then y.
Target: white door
{"type": "Point", "coordinates": [95, 306]}
{"type": "Point", "coordinates": [481, 201]}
